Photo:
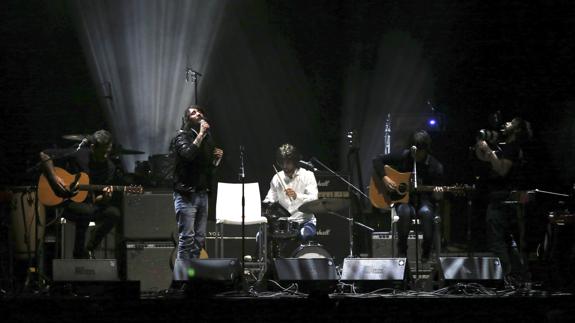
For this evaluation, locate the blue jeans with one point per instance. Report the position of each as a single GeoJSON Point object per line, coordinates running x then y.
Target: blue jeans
{"type": "Point", "coordinates": [406, 212]}
{"type": "Point", "coordinates": [192, 219]}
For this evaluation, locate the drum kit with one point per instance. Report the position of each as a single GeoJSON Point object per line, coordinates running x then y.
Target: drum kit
{"type": "Point", "coordinates": [282, 230]}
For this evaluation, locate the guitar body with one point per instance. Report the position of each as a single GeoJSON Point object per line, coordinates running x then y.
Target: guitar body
{"type": "Point", "coordinates": [385, 199]}
{"type": "Point", "coordinates": [47, 196]}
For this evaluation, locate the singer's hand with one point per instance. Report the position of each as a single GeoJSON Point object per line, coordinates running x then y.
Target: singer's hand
{"type": "Point", "coordinates": [483, 151]}
{"type": "Point", "coordinates": [218, 154]}
{"type": "Point", "coordinates": [204, 126]}
{"type": "Point", "coordinates": [291, 193]}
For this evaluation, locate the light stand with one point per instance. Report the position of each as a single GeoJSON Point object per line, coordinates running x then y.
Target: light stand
{"type": "Point", "coordinates": [350, 218]}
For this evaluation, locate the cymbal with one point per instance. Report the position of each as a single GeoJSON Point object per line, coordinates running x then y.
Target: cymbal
{"type": "Point", "coordinates": [325, 205]}
{"type": "Point", "coordinates": [125, 151]}
{"type": "Point", "coordinates": [74, 137]}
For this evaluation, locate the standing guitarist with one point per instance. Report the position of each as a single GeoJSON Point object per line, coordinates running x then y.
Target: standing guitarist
{"type": "Point", "coordinates": [93, 160]}
{"type": "Point", "coordinates": [429, 172]}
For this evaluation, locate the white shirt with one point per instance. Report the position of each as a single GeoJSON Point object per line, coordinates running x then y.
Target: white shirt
{"type": "Point", "coordinates": [304, 184]}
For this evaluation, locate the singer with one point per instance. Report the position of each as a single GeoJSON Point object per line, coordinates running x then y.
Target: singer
{"type": "Point", "coordinates": [92, 158]}
{"type": "Point", "coordinates": [429, 172]}
{"type": "Point", "coordinates": [300, 187]}
{"type": "Point", "coordinates": [507, 173]}
{"type": "Point", "coordinates": [196, 159]}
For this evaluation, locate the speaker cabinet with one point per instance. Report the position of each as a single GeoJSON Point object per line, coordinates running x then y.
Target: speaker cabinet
{"type": "Point", "coordinates": [374, 273]}
{"type": "Point", "coordinates": [150, 263]}
{"type": "Point", "coordinates": [484, 270]}
{"type": "Point", "coordinates": [150, 216]}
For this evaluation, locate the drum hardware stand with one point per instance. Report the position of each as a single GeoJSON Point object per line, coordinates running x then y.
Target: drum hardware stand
{"type": "Point", "coordinates": [350, 218]}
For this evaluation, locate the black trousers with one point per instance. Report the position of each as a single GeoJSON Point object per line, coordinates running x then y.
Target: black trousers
{"type": "Point", "coordinates": [502, 236]}
{"type": "Point", "coordinates": [105, 216]}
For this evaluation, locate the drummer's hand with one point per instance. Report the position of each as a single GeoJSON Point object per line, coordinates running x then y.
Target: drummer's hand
{"type": "Point", "coordinates": [291, 193]}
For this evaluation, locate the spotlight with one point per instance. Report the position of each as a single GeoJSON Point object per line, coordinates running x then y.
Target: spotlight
{"type": "Point", "coordinates": [434, 122]}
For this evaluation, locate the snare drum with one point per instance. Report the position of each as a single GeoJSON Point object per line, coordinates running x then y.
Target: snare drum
{"type": "Point", "coordinates": [284, 228]}
{"type": "Point", "coordinates": [311, 250]}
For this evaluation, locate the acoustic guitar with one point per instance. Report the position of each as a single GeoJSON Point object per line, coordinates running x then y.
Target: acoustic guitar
{"type": "Point", "coordinates": [81, 181]}
{"type": "Point", "coordinates": [385, 199]}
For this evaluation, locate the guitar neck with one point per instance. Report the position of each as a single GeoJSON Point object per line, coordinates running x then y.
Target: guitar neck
{"type": "Point", "coordinates": [92, 187]}
{"type": "Point", "coordinates": [426, 188]}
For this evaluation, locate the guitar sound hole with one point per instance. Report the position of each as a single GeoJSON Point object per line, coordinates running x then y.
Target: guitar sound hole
{"type": "Point", "coordinates": [402, 188]}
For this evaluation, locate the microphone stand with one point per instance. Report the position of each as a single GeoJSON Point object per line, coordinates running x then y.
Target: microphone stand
{"type": "Point", "coordinates": [414, 182]}
{"type": "Point", "coordinates": [242, 176]}
{"type": "Point", "coordinates": [350, 218]}
{"type": "Point", "coordinates": [193, 76]}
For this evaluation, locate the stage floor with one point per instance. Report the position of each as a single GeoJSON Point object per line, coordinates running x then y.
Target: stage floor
{"type": "Point", "coordinates": [463, 303]}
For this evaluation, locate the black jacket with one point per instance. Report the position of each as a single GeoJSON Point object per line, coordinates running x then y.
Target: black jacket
{"type": "Point", "coordinates": [193, 165]}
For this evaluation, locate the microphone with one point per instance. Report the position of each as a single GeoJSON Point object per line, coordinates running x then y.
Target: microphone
{"type": "Point", "coordinates": [413, 150]}
{"type": "Point", "coordinates": [191, 75]}
{"type": "Point", "coordinates": [307, 165]}
{"type": "Point", "coordinates": [242, 173]}
{"type": "Point", "coordinates": [83, 143]}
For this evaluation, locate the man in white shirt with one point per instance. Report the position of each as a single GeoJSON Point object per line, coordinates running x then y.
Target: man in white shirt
{"type": "Point", "coordinates": [292, 187]}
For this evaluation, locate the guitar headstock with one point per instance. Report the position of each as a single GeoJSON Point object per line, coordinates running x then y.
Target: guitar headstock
{"type": "Point", "coordinates": [134, 189]}
{"type": "Point", "coordinates": [461, 189]}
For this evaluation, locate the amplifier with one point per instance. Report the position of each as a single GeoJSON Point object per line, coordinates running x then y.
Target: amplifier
{"type": "Point", "coordinates": [232, 239]}
{"type": "Point", "coordinates": [85, 270]}
{"type": "Point", "coordinates": [150, 216]}
{"type": "Point", "coordinates": [329, 186]}
{"type": "Point", "coordinates": [382, 245]}
{"type": "Point", "coordinates": [332, 231]}
{"type": "Point", "coordinates": [150, 263]}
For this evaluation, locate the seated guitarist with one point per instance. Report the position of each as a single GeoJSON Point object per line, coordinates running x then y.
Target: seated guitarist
{"type": "Point", "coordinates": [94, 161]}
{"type": "Point", "coordinates": [429, 172]}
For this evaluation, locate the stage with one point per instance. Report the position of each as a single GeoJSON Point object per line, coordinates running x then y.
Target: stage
{"type": "Point", "coordinates": [388, 306]}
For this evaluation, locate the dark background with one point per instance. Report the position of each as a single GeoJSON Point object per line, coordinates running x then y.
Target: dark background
{"type": "Point", "coordinates": [513, 56]}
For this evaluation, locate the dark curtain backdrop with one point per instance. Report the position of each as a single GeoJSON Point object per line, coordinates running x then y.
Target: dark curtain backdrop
{"type": "Point", "coordinates": [276, 71]}
{"type": "Point", "coordinates": [252, 84]}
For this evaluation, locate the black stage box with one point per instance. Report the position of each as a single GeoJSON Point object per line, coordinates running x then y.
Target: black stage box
{"type": "Point", "coordinates": [85, 270]}
{"type": "Point", "coordinates": [149, 216]}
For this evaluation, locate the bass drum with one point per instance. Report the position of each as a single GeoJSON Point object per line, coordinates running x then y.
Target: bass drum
{"type": "Point", "coordinates": [311, 251]}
